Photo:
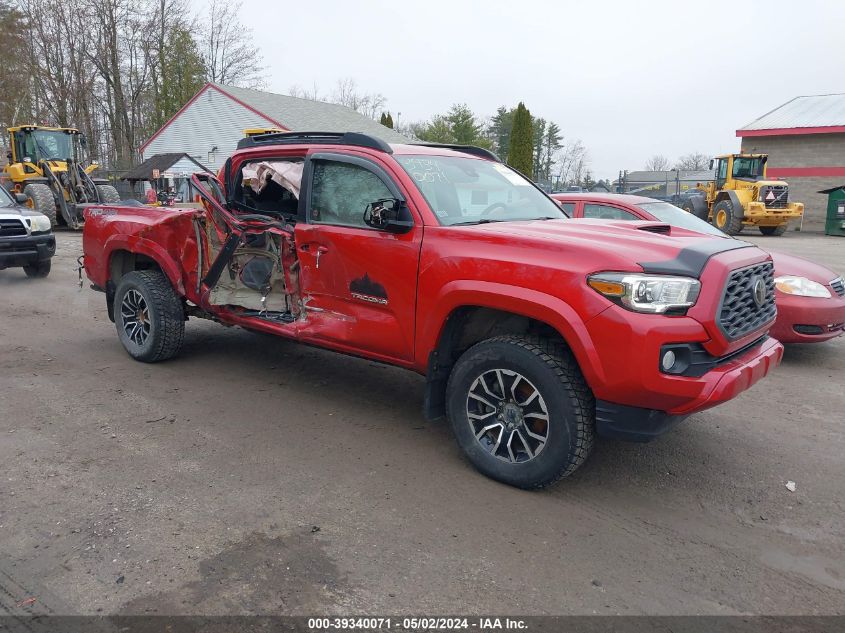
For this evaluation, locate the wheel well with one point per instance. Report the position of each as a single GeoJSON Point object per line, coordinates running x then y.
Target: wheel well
{"type": "Point", "coordinates": [469, 325]}
{"type": "Point", "coordinates": [123, 262]}
{"type": "Point", "coordinates": [465, 327]}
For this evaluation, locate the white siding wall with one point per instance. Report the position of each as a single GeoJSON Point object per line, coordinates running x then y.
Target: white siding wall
{"type": "Point", "coordinates": [212, 120]}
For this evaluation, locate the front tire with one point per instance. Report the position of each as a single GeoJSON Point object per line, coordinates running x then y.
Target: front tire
{"type": "Point", "coordinates": [521, 410]}
{"type": "Point", "coordinates": [726, 218]}
{"type": "Point", "coordinates": [149, 316]}
{"type": "Point", "coordinates": [40, 198]}
{"type": "Point", "coordinates": [777, 231]}
{"type": "Point", "coordinates": [39, 270]}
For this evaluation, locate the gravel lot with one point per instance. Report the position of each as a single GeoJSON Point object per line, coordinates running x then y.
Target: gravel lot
{"type": "Point", "coordinates": [252, 475]}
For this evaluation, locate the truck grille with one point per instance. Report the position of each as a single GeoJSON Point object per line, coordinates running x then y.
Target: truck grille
{"type": "Point", "coordinates": [838, 286]}
{"type": "Point", "coordinates": [775, 196]}
{"type": "Point", "coordinates": [11, 228]}
{"type": "Point", "coordinates": [742, 309]}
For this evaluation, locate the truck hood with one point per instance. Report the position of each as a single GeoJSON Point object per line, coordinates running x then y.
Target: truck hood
{"type": "Point", "coordinates": [653, 247]}
{"type": "Point", "coordinates": [17, 210]}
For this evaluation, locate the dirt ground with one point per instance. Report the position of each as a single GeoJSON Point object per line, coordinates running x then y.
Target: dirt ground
{"type": "Point", "coordinates": [253, 475]}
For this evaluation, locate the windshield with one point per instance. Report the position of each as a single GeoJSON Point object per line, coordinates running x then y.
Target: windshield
{"type": "Point", "coordinates": [470, 191]}
{"type": "Point", "coordinates": [746, 167]}
{"type": "Point", "coordinates": [45, 145]}
{"type": "Point", "coordinates": [673, 216]}
{"type": "Point", "coordinates": [6, 199]}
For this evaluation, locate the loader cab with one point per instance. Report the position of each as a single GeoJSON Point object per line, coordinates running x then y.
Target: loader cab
{"type": "Point", "coordinates": [720, 166]}
{"type": "Point", "coordinates": [31, 144]}
{"type": "Point", "coordinates": [748, 167]}
{"type": "Point", "coordinates": [743, 167]}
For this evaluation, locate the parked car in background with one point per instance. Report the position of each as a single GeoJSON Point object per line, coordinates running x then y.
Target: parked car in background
{"type": "Point", "coordinates": [26, 236]}
{"type": "Point", "coordinates": [810, 297]}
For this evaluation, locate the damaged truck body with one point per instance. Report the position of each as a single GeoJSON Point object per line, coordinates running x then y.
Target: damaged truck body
{"type": "Point", "coordinates": [534, 331]}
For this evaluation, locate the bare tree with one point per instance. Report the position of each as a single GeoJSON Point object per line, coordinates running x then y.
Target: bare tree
{"type": "Point", "coordinates": [348, 94]}
{"type": "Point", "coordinates": [658, 162]}
{"type": "Point", "coordinates": [120, 51]}
{"type": "Point", "coordinates": [695, 161]}
{"type": "Point", "coordinates": [62, 78]}
{"type": "Point", "coordinates": [572, 161]}
{"type": "Point", "coordinates": [228, 52]}
{"type": "Point", "coordinates": [303, 93]}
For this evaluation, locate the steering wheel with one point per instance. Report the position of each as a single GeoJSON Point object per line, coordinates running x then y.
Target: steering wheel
{"type": "Point", "coordinates": [492, 208]}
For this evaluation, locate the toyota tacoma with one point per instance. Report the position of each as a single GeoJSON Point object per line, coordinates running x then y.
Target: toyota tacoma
{"type": "Point", "coordinates": [535, 332]}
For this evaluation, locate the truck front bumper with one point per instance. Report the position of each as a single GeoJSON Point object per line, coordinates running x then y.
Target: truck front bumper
{"type": "Point", "coordinates": [720, 384]}
{"type": "Point", "coordinates": [26, 250]}
{"type": "Point", "coordinates": [637, 398]}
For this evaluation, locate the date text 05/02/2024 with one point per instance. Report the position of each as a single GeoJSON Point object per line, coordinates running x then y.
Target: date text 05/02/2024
{"type": "Point", "coordinates": [416, 624]}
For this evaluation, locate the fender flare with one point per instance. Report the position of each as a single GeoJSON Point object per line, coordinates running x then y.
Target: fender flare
{"type": "Point", "coordinates": [730, 194]}
{"type": "Point", "coordinates": [148, 248]}
{"type": "Point", "coordinates": [529, 303]}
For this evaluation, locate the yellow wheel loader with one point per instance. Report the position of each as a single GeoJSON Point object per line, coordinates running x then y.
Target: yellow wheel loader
{"type": "Point", "coordinates": [46, 165]}
{"type": "Point", "coordinates": [741, 196]}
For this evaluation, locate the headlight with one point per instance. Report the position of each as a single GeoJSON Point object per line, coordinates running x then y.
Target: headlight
{"type": "Point", "coordinates": [801, 286]}
{"type": "Point", "coordinates": [39, 223]}
{"type": "Point", "coordinates": [647, 293]}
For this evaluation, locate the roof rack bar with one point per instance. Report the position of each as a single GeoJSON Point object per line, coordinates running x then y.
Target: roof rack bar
{"type": "Point", "coordinates": [466, 149]}
{"type": "Point", "coordinates": [330, 138]}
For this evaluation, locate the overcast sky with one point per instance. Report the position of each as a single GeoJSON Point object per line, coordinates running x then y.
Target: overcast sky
{"type": "Point", "coordinates": [630, 79]}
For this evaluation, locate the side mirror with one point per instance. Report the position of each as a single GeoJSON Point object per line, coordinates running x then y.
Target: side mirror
{"type": "Point", "coordinates": [9, 156]}
{"type": "Point", "coordinates": [21, 198]}
{"type": "Point", "coordinates": [389, 214]}
{"type": "Point", "coordinates": [711, 164]}
{"type": "Point", "coordinates": [83, 142]}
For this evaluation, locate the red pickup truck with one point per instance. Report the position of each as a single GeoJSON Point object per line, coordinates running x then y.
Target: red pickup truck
{"type": "Point", "coordinates": [534, 331]}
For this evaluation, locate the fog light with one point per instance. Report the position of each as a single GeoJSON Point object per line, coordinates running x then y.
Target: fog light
{"type": "Point", "coordinates": [668, 360]}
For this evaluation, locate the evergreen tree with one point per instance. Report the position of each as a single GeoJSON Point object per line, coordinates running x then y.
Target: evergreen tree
{"type": "Point", "coordinates": [521, 151]}
{"type": "Point", "coordinates": [538, 129]}
{"type": "Point", "coordinates": [459, 126]}
{"type": "Point", "coordinates": [389, 120]}
{"type": "Point", "coordinates": [500, 128]}
{"type": "Point", "coordinates": [465, 129]}
{"type": "Point", "coordinates": [437, 130]}
{"type": "Point", "coordinates": [182, 74]}
{"type": "Point", "coordinates": [16, 103]}
{"type": "Point", "coordinates": [552, 142]}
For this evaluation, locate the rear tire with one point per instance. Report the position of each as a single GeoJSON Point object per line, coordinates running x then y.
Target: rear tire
{"type": "Point", "coordinates": [701, 213]}
{"type": "Point", "coordinates": [149, 316]}
{"type": "Point", "coordinates": [778, 230]}
{"type": "Point", "coordinates": [41, 199]}
{"type": "Point", "coordinates": [38, 270]}
{"type": "Point", "coordinates": [530, 395]}
{"type": "Point", "coordinates": [726, 218]}
{"type": "Point", "coordinates": [108, 194]}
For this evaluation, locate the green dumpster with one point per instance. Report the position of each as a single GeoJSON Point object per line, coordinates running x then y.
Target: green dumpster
{"type": "Point", "coordinates": [835, 223]}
